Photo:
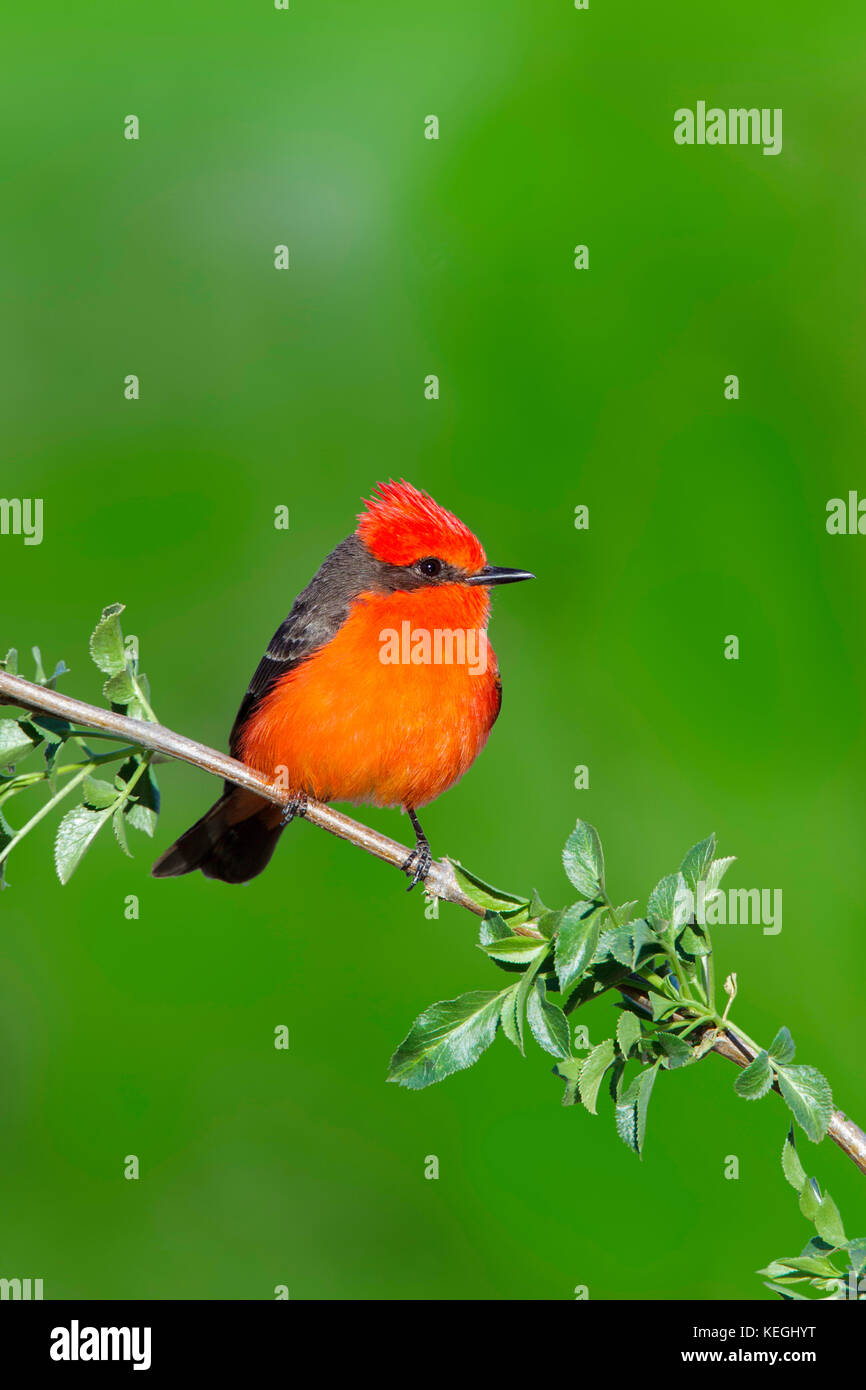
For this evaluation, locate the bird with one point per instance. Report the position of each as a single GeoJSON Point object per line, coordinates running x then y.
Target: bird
{"type": "Point", "coordinates": [349, 702]}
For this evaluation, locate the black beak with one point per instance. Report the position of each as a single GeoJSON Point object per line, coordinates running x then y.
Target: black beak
{"type": "Point", "coordinates": [496, 574]}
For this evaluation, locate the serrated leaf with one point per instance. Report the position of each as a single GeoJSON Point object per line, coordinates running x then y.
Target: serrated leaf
{"type": "Point", "coordinates": [791, 1165]}
{"type": "Point", "coordinates": [583, 860]}
{"type": "Point", "coordinates": [98, 794]}
{"type": "Point", "coordinates": [547, 1021]}
{"type": "Point", "coordinates": [790, 1294]}
{"type": "Point", "coordinates": [756, 1080]}
{"type": "Point", "coordinates": [517, 950]}
{"type": "Point", "coordinates": [810, 1199]}
{"type": "Point", "coordinates": [569, 1071]}
{"type": "Point", "coordinates": [828, 1222]}
{"type": "Point", "coordinates": [693, 943]}
{"type": "Point", "coordinates": [670, 903]}
{"type": "Point", "coordinates": [576, 942]}
{"type": "Point", "coordinates": [627, 1032]}
{"type": "Point", "coordinates": [446, 1038]}
{"type": "Point", "coordinates": [697, 862]}
{"type": "Point", "coordinates": [591, 1072]}
{"type": "Point", "coordinates": [677, 1052]}
{"type": "Point", "coordinates": [802, 1265]}
{"type": "Point", "coordinates": [493, 928]}
{"type": "Point", "coordinates": [495, 899]}
{"type": "Point", "coordinates": [75, 834]}
{"type": "Point", "coordinates": [536, 906]}
{"type": "Point", "coordinates": [15, 744]}
{"type": "Point", "coordinates": [119, 689]}
{"type": "Point", "coordinates": [807, 1094]}
{"type": "Point", "coordinates": [782, 1047]}
{"type": "Point", "coordinates": [718, 869]}
{"type": "Point", "coordinates": [119, 825]}
{"type": "Point", "coordinates": [106, 642]}
{"type": "Point", "coordinates": [511, 1018]}
{"type": "Point", "coordinates": [631, 1109]}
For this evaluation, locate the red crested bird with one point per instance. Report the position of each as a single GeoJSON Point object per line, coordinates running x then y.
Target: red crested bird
{"type": "Point", "coordinates": [380, 687]}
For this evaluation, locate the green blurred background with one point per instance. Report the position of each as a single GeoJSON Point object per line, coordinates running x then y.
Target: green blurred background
{"type": "Point", "coordinates": [558, 387]}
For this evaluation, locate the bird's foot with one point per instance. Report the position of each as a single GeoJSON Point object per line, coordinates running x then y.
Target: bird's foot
{"type": "Point", "coordinates": [418, 864]}
{"type": "Point", "coordinates": [296, 807]}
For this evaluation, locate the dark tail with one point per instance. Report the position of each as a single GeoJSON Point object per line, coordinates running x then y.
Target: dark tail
{"type": "Point", "coordinates": [233, 841]}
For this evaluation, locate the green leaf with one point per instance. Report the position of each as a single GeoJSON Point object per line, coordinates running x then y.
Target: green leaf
{"type": "Point", "coordinates": [631, 1109]}
{"type": "Point", "coordinates": [697, 862]}
{"type": "Point", "coordinates": [791, 1165]}
{"type": "Point", "coordinates": [10, 662]}
{"type": "Point", "coordinates": [782, 1047]}
{"type": "Point", "coordinates": [106, 642]}
{"type": "Point", "coordinates": [809, 1098]}
{"type": "Point", "coordinates": [511, 1017]}
{"type": "Point", "coordinates": [591, 1072]}
{"type": "Point", "coordinates": [670, 904]}
{"type": "Point", "coordinates": [15, 744]}
{"type": "Point", "coordinates": [507, 904]}
{"type": "Point", "coordinates": [142, 811]}
{"type": "Point", "coordinates": [119, 825]}
{"type": "Point", "coordinates": [547, 1021]}
{"type": "Point", "coordinates": [718, 869]}
{"type": "Point", "coordinates": [802, 1265]}
{"type": "Point", "coordinates": [517, 950]}
{"type": "Point", "coordinates": [756, 1080]}
{"type": "Point", "coordinates": [493, 928]}
{"type": "Point", "coordinates": [7, 834]}
{"type": "Point", "coordinates": [98, 794]}
{"type": "Point", "coordinates": [446, 1038]}
{"type": "Point", "coordinates": [569, 1071]}
{"type": "Point", "coordinates": [584, 861]}
{"type": "Point", "coordinates": [536, 906]}
{"type": "Point", "coordinates": [786, 1293]}
{"type": "Point", "coordinates": [120, 689]}
{"type": "Point", "coordinates": [75, 834]}
{"type": "Point", "coordinates": [810, 1199]}
{"type": "Point", "coordinates": [677, 1052]}
{"type": "Point", "coordinates": [828, 1222]}
{"type": "Point", "coordinates": [857, 1255]}
{"type": "Point", "coordinates": [576, 942]}
{"type": "Point", "coordinates": [693, 943]}
{"type": "Point", "coordinates": [627, 1032]}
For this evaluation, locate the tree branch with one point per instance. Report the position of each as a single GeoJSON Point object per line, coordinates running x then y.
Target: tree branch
{"type": "Point", "coordinates": [441, 881]}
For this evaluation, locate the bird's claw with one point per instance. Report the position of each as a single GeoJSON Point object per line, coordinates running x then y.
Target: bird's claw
{"type": "Point", "coordinates": [296, 807]}
{"type": "Point", "coordinates": [419, 860]}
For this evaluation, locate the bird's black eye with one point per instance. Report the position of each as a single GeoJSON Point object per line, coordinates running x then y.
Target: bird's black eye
{"type": "Point", "coordinates": [430, 567]}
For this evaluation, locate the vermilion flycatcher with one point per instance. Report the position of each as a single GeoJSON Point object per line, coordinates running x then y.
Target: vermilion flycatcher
{"type": "Point", "coordinates": [379, 687]}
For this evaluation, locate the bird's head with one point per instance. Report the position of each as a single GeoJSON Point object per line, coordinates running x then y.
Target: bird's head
{"type": "Point", "coordinates": [406, 528]}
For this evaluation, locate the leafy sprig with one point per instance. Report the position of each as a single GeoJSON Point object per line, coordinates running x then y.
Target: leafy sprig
{"type": "Point", "coordinates": [661, 961]}
{"type": "Point", "coordinates": [830, 1264]}
{"type": "Point", "coordinates": [131, 798]}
